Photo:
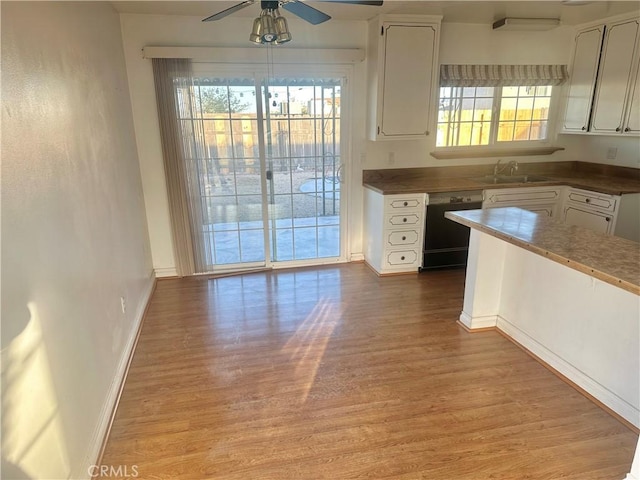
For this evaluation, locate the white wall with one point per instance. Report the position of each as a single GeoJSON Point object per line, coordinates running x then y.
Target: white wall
{"type": "Point", "coordinates": [74, 234]}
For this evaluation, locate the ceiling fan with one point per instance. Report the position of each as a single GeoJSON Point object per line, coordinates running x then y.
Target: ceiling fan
{"type": "Point", "coordinates": [271, 27]}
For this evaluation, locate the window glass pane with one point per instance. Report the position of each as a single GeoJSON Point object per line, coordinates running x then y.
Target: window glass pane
{"type": "Point", "coordinates": [538, 130]}
{"type": "Point", "coordinates": [508, 109]}
{"type": "Point", "coordinates": [505, 132]}
{"type": "Point", "coordinates": [465, 134]}
{"type": "Point", "coordinates": [525, 109]}
{"type": "Point", "coordinates": [480, 133]}
{"type": "Point", "coordinates": [466, 114]}
{"type": "Point", "coordinates": [469, 92]}
{"type": "Point", "coordinates": [526, 91]}
{"type": "Point", "coordinates": [543, 91]}
{"type": "Point", "coordinates": [484, 92]}
{"type": "Point", "coordinates": [541, 108]}
{"type": "Point", "coordinates": [483, 109]}
{"type": "Point", "coordinates": [522, 131]}
{"type": "Point", "coordinates": [509, 92]}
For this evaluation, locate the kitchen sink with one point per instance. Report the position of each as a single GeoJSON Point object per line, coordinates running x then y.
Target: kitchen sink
{"type": "Point", "coordinates": [502, 179]}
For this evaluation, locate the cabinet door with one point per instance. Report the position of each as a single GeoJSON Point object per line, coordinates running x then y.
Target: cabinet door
{"type": "Point", "coordinates": [615, 72]}
{"type": "Point", "coordinates": [583, 79]}
{"type": "Point", "coordinates": [404, 108]}
{"type": "Point", "coordinates": [633, 113]}
{"type": "Point", "coordinates": [599, 222]}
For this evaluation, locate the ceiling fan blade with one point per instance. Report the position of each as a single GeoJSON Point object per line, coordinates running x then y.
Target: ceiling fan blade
{"type": "Point", "coordinates": [372, 3]}
{"type": "Point", "coordinates": [229, 11]}
{"type": "Point", "coordinates": [306, 12]}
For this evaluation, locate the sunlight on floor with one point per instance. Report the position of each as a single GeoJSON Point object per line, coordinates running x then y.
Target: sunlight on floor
{"type": "Point", "coordinates": [307, 345]}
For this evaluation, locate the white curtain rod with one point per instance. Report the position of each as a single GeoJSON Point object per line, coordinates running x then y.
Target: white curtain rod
{"type": "Point", "coordinates": [258, 54]}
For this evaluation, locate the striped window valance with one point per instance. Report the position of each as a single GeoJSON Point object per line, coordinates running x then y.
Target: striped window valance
{"type": "Point", "coordinates": [502, 75]}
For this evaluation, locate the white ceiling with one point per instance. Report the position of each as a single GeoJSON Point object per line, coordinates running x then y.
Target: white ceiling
{"type": "Point", "coordinates": [461, 11]}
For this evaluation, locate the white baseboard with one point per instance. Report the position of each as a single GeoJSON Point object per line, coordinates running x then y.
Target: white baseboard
{"type": "Point", "coordinates": [165, 272]}
{"type": "Point", "coordinates": [478, 322]}
{"type": "Point", "coordinates": [356, 257]}
{"type": "Point", "coordinates": [602, 394]}
{"type": "Point", "coordinates": [104, 421]}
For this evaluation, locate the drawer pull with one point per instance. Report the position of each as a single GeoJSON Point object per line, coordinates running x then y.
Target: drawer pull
{"type": "Point", "coordinates": [607, 219]}
{"type": "Point", "coordinates": [618, 129]}
{"type": "Point", "coordinates": [404, 238]}
{"type": "Point", "coordinates": [402, 257]}
{"type": "Point", "coordinates": [406, 203]}
{"type": "Point", "coordinates": [404, 219]}
{"type": "Point", "coordinates": [588, 200]}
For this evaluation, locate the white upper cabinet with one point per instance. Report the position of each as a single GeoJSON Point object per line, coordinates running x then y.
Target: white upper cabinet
{"type": "Point", "coordinates": [632, 117]}
{"type": "Point", "coordinates": [403, 76]}
{"type": "Point", "coordinates": [615, 77]}
{"type": "Point", "coordinates": [603, 91]}
{"type": "Point", "coordinates": [583, 79]}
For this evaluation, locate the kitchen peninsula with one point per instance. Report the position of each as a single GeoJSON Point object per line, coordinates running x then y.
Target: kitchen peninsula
{"type": "Point", "coordinates": [566, 294]}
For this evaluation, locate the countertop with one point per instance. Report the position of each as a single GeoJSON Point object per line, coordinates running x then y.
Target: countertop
{"type": "Point", "coordinates": [594, 177]}
{"type": "Point", "coordinates": [613, 260]}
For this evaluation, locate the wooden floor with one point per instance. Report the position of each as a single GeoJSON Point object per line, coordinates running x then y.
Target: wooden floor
{"type": "Point", "coordinates": [334, 373]}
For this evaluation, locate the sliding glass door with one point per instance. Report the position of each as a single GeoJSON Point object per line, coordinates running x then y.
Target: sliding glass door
{"type": "Point", "coordinates": [267, 152]}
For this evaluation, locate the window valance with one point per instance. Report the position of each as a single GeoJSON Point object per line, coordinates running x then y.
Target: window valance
{"type": "Point", "coordinates": [502, 75]}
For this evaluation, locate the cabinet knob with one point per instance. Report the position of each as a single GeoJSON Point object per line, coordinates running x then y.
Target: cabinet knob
{"type": "Point", "coordinates": [402, 257]}
{"type": "Point", "coordinates": [607, 219]}
{"type": "Point", "coordinates": [406, 203]}
{"type": "Point", "coordinates": [404, 219]}
{"type": "Point", "coordinates": [627, 129]}
{"type": "Point", "coordinates": [618, 129]}
{"type": "Point", "coordinates": [404, 238]}
{"type": "Point", "coordinates": [584, 128]}
{"type": "Point", "coordinates": [588, 200]}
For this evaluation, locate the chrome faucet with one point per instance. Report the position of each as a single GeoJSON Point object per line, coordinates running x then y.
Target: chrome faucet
{"type": "Point", "coordinates": [512, 166]}
{"type": "Point", "coordinates": [496, 167]}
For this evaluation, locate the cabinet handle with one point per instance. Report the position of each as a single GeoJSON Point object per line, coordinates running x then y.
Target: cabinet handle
{"type": "Point", "coordinates": [607, 219]}
{"type": "Point", "coordinates": [618, 129]}
{"type": "Point", "coordinates": [406, 204]}
{"type": "Point", "coordinates": [404, 220]}
{"type": "Point", "coordinates": [584, 128]}
{"type": "Point", "coordinates": [402, 257]}
{"type": "Point", "coordinates": [404, 238]}
{"type": "Point", "coordinates": [588, 200]}
{"type": "Point", "coordinates": [627, 129]}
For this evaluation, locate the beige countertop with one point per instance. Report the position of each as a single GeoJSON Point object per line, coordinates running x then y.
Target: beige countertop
{"type": "Point", "coordinates": [594, 177]}
{"type": "Point", "coordinates": [611, 259]}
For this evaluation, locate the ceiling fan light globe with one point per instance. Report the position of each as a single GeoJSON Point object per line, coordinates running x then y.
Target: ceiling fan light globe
{"type": "Point", "coordinates": [282, 29]}
{"type": "Point", "coordinates": [256, 32]}
{"type": "Point", "coordinates": [268, 32]}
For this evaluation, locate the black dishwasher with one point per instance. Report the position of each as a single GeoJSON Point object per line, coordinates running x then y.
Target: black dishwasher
{"type": "Point", "coordinates": [446, 243]}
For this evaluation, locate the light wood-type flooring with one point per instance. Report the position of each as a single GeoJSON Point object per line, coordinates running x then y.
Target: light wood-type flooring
{"type": "Point", "coordinates": [332, 372]}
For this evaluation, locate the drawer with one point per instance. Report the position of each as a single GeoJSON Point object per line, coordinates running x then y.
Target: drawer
{"type": "Point", "coordinates": [398, 238]}
{"type": "Point", "coordinates": [598, 201]}
{"type": "Point", "coordinates": [401, 203]}
{"type": "Point", "coordinates": [509, 196]}
{"type": "Point", "coordinates": [406, 219]}
{"type": "Point", "coordinates": [402, 257]}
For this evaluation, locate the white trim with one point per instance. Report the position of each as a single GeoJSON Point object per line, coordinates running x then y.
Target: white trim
{"type": "Point", "coordinates": [257, 54]}
{"type": "Point", "coordinates": [106, 415]}
{"type": "Point", "coordinates": [165, 272]}
{"type": "Point", "coordinates": [356, 257]}
{"type": "Point", "coordinates": [610, 399]}
{"type": "Point", "coordinates": [473, 323]}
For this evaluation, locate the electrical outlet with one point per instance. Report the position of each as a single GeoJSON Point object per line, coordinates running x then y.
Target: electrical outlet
{"type": "Point", "coordinates": [612, 152]}
{"type": "Point", "coordinates": [392, 158]}
{"type": "Point", "coordinates": [123, 305]}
